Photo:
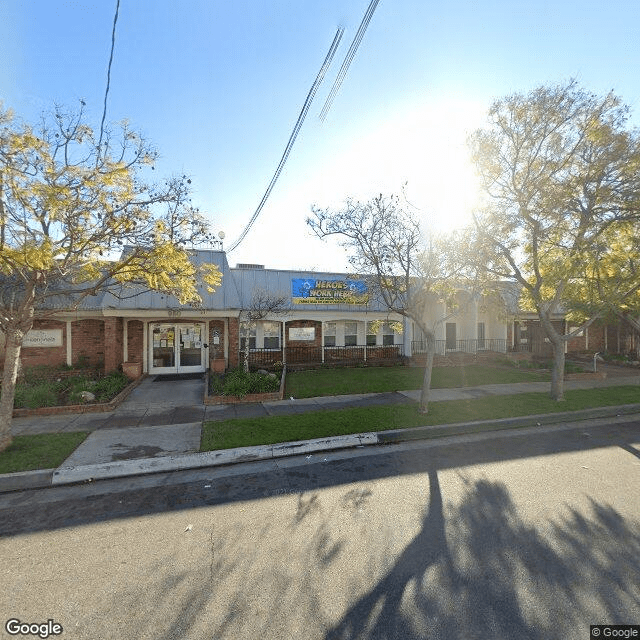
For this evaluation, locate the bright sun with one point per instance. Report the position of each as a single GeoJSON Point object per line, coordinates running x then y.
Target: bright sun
{"type": "Point", "coordinates": [425, 148]}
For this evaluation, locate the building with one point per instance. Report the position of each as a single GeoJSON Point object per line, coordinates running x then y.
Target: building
{"type": "Point", "coordinates": [330, 318]}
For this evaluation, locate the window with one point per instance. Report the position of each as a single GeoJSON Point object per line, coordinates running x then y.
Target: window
{"type": "Point", "coordinates": [371, 334]}
{"type": "Point", "coordinates": [329, 334]}
{"type": "Point", "coordinates": [243, 337]}
{"type": "Point", "coordinates": [387, 334]}
{"type": "Point", "coordinates": [480, 335]}
{"type": "Point", "coordinates": [350, 334]}
{"type": "Point", "coordinates": [450, 335]}
{"type": "Point", "coordinates": [271, 335]}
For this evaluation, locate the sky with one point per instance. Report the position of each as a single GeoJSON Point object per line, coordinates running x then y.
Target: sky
{"type": "Point", "coordinates": [217, 86]}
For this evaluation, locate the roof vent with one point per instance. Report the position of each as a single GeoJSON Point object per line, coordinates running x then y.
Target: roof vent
{"type": "Point", "coordinates": [249, 266]}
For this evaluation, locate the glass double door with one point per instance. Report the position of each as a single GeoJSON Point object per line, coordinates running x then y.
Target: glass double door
{"type": "Point", "coordinates": [177, 348]}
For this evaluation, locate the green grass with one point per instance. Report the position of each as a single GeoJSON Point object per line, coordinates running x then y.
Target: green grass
{"type": "Point", "coordinates": [246, 432]}
{"type": "Point", "coordinates": [334, 382]}
{"type": "Point", "coordinates": [43, 451]}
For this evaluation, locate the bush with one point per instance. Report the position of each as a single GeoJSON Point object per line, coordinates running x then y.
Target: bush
{"type": "Point", "coordinates": [33, 396]}
{"type": "Point", "coordinates": [239, 383]}
{"type": "Point", "coordinates": [110, 386]}
{"type": "Point", "coordinates": [37, 374]}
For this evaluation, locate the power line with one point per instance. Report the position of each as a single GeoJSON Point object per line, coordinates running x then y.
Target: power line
{"type": "Point", "coordinates": [294, 134]}
{"type": "Point", "coordinates": [106, 93]}
{"type": "Point", "coordinates": [349, 58]}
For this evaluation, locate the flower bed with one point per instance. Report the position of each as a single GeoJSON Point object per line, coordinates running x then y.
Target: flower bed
{"type": "Point", "coordinates": [237, 386]}
{"type": "Point", "coordinates": [69, 392]}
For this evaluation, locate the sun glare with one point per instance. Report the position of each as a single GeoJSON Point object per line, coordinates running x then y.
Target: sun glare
{"type": "Point", "coordinates": [425, 149]}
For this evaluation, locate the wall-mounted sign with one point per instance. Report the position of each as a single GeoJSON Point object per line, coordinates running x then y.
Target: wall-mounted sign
{"type": "Point", "coordinates": [302, 333]}
{"type": "Point", "coordinates": [43, 338]}
{"type": "Point", "coordinates": [315, 291]}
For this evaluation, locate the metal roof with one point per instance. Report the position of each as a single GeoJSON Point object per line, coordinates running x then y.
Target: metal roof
{"type": "Point", "coordinates": [239, 285]}
{"type": "Point", "coordinates": [224, 297]}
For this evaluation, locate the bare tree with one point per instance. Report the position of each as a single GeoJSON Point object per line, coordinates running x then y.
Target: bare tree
{"type": "Point", "coordinates": [406, 271]}
{"type": "Point", "coordinates": [263, 305]}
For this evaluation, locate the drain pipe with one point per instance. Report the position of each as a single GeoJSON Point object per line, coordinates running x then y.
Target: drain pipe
{"type": "Point", "coordinates": [595, 357]}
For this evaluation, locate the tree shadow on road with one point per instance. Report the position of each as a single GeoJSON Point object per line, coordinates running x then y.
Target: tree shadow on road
{"type": "Point", "coordinates": [476, 569]}
{"type": "Point", "coordinates": [483, 572]}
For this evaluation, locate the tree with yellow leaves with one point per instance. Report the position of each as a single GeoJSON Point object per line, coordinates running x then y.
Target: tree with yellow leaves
{"type": "Point", "coordinates": [561, 174]}
{"type": "Point", "coordinates": [78, 216]}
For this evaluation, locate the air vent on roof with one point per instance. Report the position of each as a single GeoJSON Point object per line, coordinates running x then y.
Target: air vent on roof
{"type": "Point", "coordinates": [249, 266]}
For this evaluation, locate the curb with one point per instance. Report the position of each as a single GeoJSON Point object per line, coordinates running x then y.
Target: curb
{"type": "Point", "coordinates": [45, 478]}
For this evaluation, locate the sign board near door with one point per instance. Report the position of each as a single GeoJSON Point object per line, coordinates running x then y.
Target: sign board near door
{"type": "Point", "coordinates": [43, 338]}
{"type": "Point", "coordinates": [302, 333]}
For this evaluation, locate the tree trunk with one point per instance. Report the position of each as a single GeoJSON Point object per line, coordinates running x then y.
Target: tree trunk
{"type": "Point", "coordinates": [425, 394]}
{"type": "Point", "coordinates": [245, 353]}
{"type": "Point", "coordinates": [13, 345]}
{"type": "Point", "coordinates": [557, 372]}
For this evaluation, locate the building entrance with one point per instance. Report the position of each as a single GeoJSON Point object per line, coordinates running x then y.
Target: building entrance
{"type": "Point", "coordinates": [177, 348]}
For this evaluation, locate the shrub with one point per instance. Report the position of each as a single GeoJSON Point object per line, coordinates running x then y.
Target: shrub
{"type": "Point", "coordinates": [33, 396]}
{"type": "Point", "coordinates": [37, 374]}
{"type": "Point", "coordinates": [239, 383]}
{"type": "Point", "coordinates": [110, 386]}
{"type": "Point", "coordinates": [216, 384]}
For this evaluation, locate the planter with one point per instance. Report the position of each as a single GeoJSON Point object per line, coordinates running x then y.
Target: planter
{"type": "Point", "coordinates": [598, 375]}
{"type": "Point", "coordinates": [80, 408]}
{"type": "Point", "coordinates": [251, 397]}
{"type": "Point", "coordinates": [133, 370]}
{"type": "Point", "coordinates": [218, 365]}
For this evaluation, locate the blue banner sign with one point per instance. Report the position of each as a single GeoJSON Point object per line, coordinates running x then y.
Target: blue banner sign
{"type": "Point", "coordinates": [313, 291]}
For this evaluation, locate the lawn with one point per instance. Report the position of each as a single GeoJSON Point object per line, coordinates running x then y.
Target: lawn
{"type": "Point", "coordinates": [43, 451]}
{"type": "Point", "coordinates": [246, 432]}
{"type": "Point", "coordinates": [335, 382]}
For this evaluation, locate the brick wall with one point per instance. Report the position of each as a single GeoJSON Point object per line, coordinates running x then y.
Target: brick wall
{"type": "Point", "coordinates": [234, 342]}
{"type": "Point", "coordinates": [304, 351]}
{"type": "Point", "coordinates": [87, 342]}
{"type": "Point", "coordinates": [317, 340]}
{"type": "Point", "coordinates": [135, 330]}
{"type": "Point", "coordinates": [53, 356]}
{"type": "Point", "coordinates": [113, 351]}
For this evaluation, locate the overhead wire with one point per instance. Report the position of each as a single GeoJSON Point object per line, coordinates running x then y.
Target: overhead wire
{"type": "Point", "coordinates": [349, 58]}
{"type": "Point", "coordinates": [294, 134]}
{"type": "Point", "coordinates": [106, 93]}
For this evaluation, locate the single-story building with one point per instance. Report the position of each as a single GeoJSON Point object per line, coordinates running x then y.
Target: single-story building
{"type": "Point", "coordinates": [329, 318]}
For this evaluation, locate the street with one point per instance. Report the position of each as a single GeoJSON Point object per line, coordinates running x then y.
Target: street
{"type": "Point", "coordinates": [530, 535]}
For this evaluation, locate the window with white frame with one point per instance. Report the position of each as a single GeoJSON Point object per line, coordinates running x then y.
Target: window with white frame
{"type": "Point", "coordinates": [329, 334]}
{"type": "Point", "coordinates": [251, 331]}
{"type": "Point", "coordinates": [371, 334]}
{"type": "Point", "coordinates": [388, 334]}
{"type": "Point", "coordinates": [271, 335]}
{"type": "Point", "coordinates": [350, 334]}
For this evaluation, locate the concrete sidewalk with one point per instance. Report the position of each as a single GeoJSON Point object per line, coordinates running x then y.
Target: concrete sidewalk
{"type": "Point", "coordinates": [158, 427]}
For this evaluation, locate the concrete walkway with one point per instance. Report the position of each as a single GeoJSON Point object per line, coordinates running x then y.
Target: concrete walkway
{"type": "Point", "coordinates": [163, 419]}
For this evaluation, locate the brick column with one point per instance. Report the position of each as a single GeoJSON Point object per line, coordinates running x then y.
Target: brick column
{"type": "Point", "coordinates": [112, 344]}
{"type": "Point", "coordinates": [234, 342]}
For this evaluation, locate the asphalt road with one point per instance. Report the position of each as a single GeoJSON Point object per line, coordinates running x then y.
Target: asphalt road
{"type": "Point", "coordinates": [491, 537]}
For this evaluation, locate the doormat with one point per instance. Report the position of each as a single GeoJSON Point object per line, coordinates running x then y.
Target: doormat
{"type": "Point", "coordinates": [176, 377]}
